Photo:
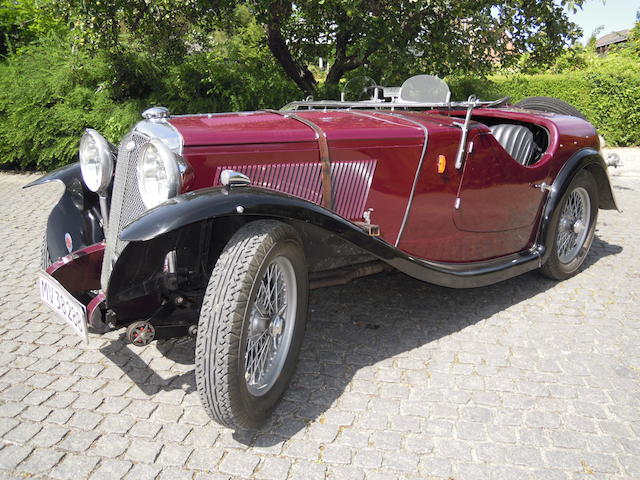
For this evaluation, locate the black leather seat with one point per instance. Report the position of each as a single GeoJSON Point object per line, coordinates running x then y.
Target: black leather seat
{"type": "Point", "coordinates": [516, 140]}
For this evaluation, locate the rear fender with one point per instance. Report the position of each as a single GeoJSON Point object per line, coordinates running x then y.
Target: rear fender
{"type": "Point", "coordinates": [586, 159]}
{"type": "Point", "coordinates": [76, 213]}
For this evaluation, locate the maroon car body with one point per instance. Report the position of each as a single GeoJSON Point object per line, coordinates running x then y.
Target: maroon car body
{"type": "Point", "coordinates": [366, 189]}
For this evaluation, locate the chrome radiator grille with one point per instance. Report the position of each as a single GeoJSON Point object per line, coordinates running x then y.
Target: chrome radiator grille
{"type": "Point", "coordinates": [126, 203]}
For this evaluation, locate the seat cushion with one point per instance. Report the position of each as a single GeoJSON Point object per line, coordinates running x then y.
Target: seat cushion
{"type": "Point", "coordinates": [516, 140]}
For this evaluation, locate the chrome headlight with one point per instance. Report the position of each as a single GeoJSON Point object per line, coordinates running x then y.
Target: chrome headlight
{"type": "Point", "coordinates": [159, 175]}
{"type": "Point", "coordinates": [96, 161]}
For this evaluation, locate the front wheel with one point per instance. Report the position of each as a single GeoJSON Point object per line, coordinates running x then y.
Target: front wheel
{"type": "Point", "coordinates": [574, 224]}
{"type": "Point", "coordinates": [252, 324]}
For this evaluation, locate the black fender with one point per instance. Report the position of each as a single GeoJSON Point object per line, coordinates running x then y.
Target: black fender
{"type": "Point", "coordinates": [586, 159]}
{"type": "Point", "coordinates": [76, 213]}
{"type": "Point", "coordinates": [187, 209]}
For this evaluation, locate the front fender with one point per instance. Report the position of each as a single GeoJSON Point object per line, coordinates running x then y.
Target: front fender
{"type": "Point", "coordinates": [76, 213]}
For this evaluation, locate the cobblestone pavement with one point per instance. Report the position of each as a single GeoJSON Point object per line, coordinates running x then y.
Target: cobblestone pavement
{"type": "Point", "coordinates": [398, 379]}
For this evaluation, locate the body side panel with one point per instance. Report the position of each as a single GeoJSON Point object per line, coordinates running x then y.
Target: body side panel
{"type": "Point", "coordinates": [354, 140]}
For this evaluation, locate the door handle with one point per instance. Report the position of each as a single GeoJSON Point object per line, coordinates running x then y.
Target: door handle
{"type": "Point", "coordinates": [544, 187]}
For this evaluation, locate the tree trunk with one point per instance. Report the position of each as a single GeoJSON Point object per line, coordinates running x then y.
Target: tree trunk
{"type": "Point", "coordinates": [299, 74]}
{"type": "Point", "coordinates": [345, 63]}
{"type": "Point", "coordinates": [272, 20]}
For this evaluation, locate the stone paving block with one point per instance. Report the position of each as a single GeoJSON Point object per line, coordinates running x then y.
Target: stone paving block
{"type": "Point", "coordinates": [336, 454]}
{"type": "Point", "coordinates": [141, 471]}
{"type": "Point", "coordinates": [273, 468]}
{"type": "Point", "coordinates": [204, 458]}
{"type": "Point", "coordinates": [7, 424]}
{"type": "Point", "coordinates": [85, 420]}
{"type": "Point", "coordinates": [120, 424]}
{"type": "Point", "coordinates": [173, 473]}
{"type": "Point", "coordinates": [111, 470]}
{"type": "Point", "coordinates": [23, 432]}
{"type": "Point", "coordinates": [239, 463]}
{"type": "Point", "coordinates": [12, 455]}
{"type": "Point", "coordinates": [307, 471]}
{"type": "Point", "coordinates": [40, 461]}
{"type": "Point", "coordinates": [143, 451]}
{"type": "Point", "coordinates": [73, 467]}
{"type": "Point", "coordinates": [78, 441]}
{"type": "Point", "coordinates": [174, 455]}
{"type": "Point", "coordinates": [49, 436]}
{"type": "Point", "coordinates": [110, 446]}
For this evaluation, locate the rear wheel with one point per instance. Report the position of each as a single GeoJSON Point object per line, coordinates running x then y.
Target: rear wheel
{"type": "Point", "coordinates": [252, 324]}
{"type": "Point", "coordinates": [550, 104]}
{"type": "Point", "coordinates": [574, 224]}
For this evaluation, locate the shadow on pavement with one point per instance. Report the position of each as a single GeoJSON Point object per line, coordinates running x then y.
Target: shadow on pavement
{"type": "Point", "coordinates": [351, 327]}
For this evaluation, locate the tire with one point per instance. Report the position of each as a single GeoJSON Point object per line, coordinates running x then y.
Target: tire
{"type": "Point", "coordinates": [45, 257]}
{"type": "Point", "coordinates": [550, 104]}
{"type": "Point", "coordinates": [238, 387]}
{"type": "Point", "coordinates": [565, 258]}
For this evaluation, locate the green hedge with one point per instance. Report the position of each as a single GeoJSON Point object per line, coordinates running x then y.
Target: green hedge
{"type": "Point", "coordinates": [51, 91]}
{"type": "Point", "coordinates": [47, 98]}
{"type": "Point", "coordinates": [607, 92]}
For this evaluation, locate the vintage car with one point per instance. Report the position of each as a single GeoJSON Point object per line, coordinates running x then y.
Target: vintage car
{"type": "Point", "coordinates": [218, 225]}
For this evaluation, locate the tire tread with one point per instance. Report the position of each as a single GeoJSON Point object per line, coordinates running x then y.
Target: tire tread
{"type": "Point", "coordinates": [220, 328]}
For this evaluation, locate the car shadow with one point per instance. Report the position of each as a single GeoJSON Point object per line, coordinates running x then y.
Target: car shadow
{"type": "Point", "coordinates": [349, 328]}
{"type": "Point", "coordinates": [141, 371]}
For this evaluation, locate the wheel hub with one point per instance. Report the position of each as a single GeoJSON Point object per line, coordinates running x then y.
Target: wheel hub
{"type": "Point", "coordinates": [259, 323]}
{"type": "Point", "coordinates": [565, 224]}
{"type": "Point", "coordinates": [578, 227]}
{"type": "Point", "coordinates": [276, 326]}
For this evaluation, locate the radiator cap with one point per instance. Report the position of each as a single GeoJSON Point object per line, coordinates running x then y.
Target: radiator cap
{"type": "Point", "coordinates": [155, 113]}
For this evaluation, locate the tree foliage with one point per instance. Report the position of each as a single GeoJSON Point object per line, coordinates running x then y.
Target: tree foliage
{"type": "Point", "coordinates": [23, 21]}
{"type": "Point", "coordinates": [383, 36]}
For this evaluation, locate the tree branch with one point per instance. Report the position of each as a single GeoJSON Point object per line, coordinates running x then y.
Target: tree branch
{"type": "Point", "coordinates": [273, 19]}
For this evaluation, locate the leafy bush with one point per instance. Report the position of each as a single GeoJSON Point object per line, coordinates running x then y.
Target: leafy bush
{"type": "Point", "coordinates": [51, 90]}
{"type": "Point", "coordinates": [606, 91]}
{"type": "Point", "coordinates": [23, 21]}
{"type": "Point", "coordinates": [47, 97]}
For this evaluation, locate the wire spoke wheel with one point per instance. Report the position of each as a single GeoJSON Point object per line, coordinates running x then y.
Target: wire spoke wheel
{"type": "Point", "coordinates": [270, 326]}
{"type": "Point", "coordinates": [574, 225]}
{"type": "Point", "coordinates": [573, 228]}
{"type": "Point", "coordinates": [252, 324]}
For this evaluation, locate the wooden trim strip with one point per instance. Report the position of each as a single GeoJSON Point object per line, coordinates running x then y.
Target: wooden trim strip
{"type": "Point", "coordinates": [325, 158]}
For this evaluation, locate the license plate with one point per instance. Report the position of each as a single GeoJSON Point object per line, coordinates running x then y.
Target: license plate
{"type": "Point", "coordinates": [64, 304]}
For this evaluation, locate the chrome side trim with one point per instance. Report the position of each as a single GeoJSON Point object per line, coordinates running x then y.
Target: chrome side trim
{"type": "Point", "coordinates": [418, 170]}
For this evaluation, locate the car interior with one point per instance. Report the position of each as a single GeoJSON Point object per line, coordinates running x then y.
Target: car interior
{"type": "Point", "coordinates": [525, 142]}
